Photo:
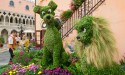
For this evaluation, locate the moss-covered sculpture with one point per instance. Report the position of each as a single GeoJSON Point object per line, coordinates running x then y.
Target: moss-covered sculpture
{"type": "Point", "coordinates": [95, 41]}
{"type": "Point", "coordinates": [53, 48]}
{"type": "Point", "coordinates": [45, 11]}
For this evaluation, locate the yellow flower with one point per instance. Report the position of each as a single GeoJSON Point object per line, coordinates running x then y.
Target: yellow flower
{"type": "Point", "coordinates": [39, 72]}
{"type": "Point", "coordinates": [26, 43]}
{"type": "Point", "coordinates": [10, 73]}
{"type": "Point", "coordinates": [27, 66]}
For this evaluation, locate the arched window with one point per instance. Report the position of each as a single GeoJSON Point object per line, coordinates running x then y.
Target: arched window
{"type": "Point", "coordinates": [7, 19]}
{"type": "Point", "coordinates": [1, 18]}
{"type": "Point", "coordinates": [12, 3]}
{"type": "Point", "coordinates": [20, 20]}
{"type": "Point", "coordinates": [30, 22]}
{"type": "Point", "coordinates": [11, 20]}
{"type": "Point", "coordinates": [27, 22]}
{"type": "Point", "coordinates": [23, 21]}
{"type": "Point", "coordinates": [16, 20]}
{"type": "Point", "coordinates": [27, 7]}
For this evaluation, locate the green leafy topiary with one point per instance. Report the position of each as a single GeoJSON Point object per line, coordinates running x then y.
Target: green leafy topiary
{"type": "Point", "coordinates": [95, 40]}
{"type": "Point", "coordinates": [45, 11]}
{"type": "Point", "coordinates": [84, 28]}
{"type": "Point", "coordinates": [53, 48]}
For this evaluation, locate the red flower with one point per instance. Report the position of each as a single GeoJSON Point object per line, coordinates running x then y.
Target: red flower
{"type": "Point", "coordinates": [21, 52]}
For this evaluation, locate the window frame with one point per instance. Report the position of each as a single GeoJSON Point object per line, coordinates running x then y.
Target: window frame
{"type": "Point", "coordinates": [27, 7]}
{"type": "Point", "coordinates": [11, 3]}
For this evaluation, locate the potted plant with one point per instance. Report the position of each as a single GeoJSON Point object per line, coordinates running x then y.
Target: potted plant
{"type": "Point", "coordinates": [65, 15]}
{"type": "Point", "coordinates": [75, 4]}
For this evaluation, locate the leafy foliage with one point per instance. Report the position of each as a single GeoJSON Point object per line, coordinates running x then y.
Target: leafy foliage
{"type": "Point", "coordinates": [96, 41]}
{"type": "Point", "coordinates": [1, 40]}
{"type": "Point", "coordinates": [25, 58]}
{"type": "Point", "coordinates": [66, 15]}
{"type": "Point", "coordinates": [114, 69]}
{"type": "Point", "coordinates": [3, 68]}
{"type": "Point", "coordinates": [75, 4]}
{"type": "Point", "coordinates": [65, 58]}
{"type": "Point", "coordinates": [85, 31]}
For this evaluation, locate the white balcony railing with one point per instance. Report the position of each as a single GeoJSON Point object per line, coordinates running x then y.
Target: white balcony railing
{"type": "Point", "coordinates": [16, 25]}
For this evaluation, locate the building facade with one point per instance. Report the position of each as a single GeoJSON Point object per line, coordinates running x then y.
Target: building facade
{"type": "Point", "coordinates": [16, 15]}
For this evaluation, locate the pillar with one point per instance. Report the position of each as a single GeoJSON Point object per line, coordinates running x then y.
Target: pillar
{"type": "Point", "coordinates": [4, 19]}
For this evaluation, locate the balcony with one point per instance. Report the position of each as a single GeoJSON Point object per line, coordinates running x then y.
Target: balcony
{"type": "Point", "coordinates": [15, 25]}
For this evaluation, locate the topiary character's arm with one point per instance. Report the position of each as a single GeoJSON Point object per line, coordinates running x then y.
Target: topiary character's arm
{"type": "Point", "coordinates": [52, 5]}
{"type": "Point", "coordinates": [37, 9]}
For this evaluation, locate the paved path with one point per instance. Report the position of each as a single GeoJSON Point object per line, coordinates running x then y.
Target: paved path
{"type": "Point", "coordinates": [4, 58]}
{"type": "Point", "coordinates": [4, 55]}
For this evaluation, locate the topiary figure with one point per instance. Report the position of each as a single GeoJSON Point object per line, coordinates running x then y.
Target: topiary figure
{"type": "Point", "coordinates": [96, 44]}
{"type": "Point", "coordinates": [53, 48]}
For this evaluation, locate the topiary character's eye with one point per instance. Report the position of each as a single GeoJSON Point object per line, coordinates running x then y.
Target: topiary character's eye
{"type": "Point", "coordinates": [84, 30]}
{"type": "Point", "coordinates": [43, 13]}
{"type": "Point", "coordinates": [49, 11]}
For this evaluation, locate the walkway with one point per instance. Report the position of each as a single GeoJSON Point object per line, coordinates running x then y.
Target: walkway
{"type": "Point", "coordinates": [4, 55]}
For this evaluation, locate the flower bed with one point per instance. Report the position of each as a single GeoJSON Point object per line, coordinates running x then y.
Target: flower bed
{"type": "Point", "coordinates": [25, 58]}
{"type": "Point", "coordinates": [18, 69]}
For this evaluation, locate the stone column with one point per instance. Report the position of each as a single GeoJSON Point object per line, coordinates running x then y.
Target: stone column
{"type": "Point", "coordinates": [9, 20]}
{"type": "Point", "coordinates": [4, 20]}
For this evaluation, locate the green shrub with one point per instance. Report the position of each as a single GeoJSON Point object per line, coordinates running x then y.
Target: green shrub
{"type": "Point", "coordinates": [75, 4]}
{"type": "Point", "coordinates": [115, 69]}
{"type": "Point", "coordinates": [37, 57]}
{"type": "Point", "coordinates": [74, 69]}
{"type": "Point", "coordinates": [21, 57]}
{"type": "Point", "coordinates": [66, 15]}
{"type": "Point", "coordinates": [26, 58]}
{"type": "Point", "coordinates": [1, 40]}
{"type": "Point", "coordinates": [4, 68]}
{"type": "Point", "coordinates": [65, 58]}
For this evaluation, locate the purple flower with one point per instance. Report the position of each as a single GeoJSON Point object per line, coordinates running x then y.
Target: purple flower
{"type": "Point", "coordinates": [33, 67]}
{"type": "Point", "coordinates": [57, 71]}
{"type": "Point", "coordinates": [22, 70]}
{"type": "Point", "coordinates": [14, 66]}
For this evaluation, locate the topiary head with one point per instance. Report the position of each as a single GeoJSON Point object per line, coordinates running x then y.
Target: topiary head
{"type": "Point", "coordinates": [85, 30]}
{"type": "Point", "coordinates": [46, 12]}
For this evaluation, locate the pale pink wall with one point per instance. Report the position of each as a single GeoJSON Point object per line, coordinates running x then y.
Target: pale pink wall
{"type": "Point", "coordinates": [62, 4]}
{"type": "Point", "coordinates": [113, 11]}
{"type": "Point", "coordinates": [18, 8]}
